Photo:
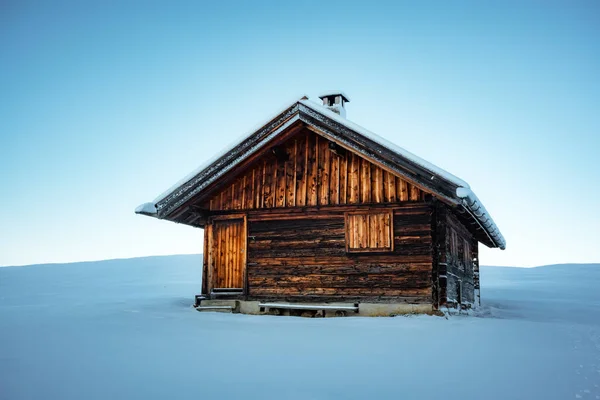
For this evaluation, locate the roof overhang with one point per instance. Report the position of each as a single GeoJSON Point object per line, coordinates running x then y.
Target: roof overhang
{"type": "Point", "coordinates": [427, 176]}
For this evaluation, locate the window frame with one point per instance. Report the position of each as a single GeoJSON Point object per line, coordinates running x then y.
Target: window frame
{"type": "Point", "coordinates": [350, 250]}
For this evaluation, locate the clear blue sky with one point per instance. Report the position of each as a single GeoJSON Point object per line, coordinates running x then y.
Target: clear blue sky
{"type": "Point", "coordinates": [103, 107]}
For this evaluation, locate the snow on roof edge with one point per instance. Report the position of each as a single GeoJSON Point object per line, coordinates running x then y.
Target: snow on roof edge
{"type": "Point", "coordinates": [434, 169]}
{"type": "Point", "coordinates": [146, 209]}
{"type": "Point", "coordinates": [220, 154]}
{"type": "Point", "coordinates": [463, 191]}
{"type": "Point", "coordinates": [476, 207]}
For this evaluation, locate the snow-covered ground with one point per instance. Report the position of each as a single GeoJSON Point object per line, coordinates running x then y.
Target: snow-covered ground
{"type": "Point", "coordinates": [125, 329]}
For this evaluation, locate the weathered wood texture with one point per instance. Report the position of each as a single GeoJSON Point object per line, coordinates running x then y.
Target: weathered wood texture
{"type": "Point", "coordinates": [206, 255]}
{"type": "Point", "coordinates": [368, 231]}
{"type": "Point", "coordinates": [438, 272]}
{"type": "Point", "coordinates": [304, 171]}
{"type": "Point", "coordinates": [461, 267]}
{"type": "Point", "coordinates": [475, 261]}
{"type": "Point", "coordinates": [301, 257]}
{"type": "Point", "coordinates": [227, 254]}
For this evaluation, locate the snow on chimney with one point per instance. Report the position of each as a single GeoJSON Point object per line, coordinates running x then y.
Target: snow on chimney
{"type": "Point", "coordinates": [335, 101]}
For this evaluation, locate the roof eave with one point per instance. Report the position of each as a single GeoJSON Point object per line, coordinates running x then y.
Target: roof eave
{"type": "Point", "coordinates": [444, 185]}
{"type": "Point", "coordinates": [476, 209]}
{"type": "Point", "coordinates": [148, 209]}
{"type": "Point", "coordinates": [219, 167]}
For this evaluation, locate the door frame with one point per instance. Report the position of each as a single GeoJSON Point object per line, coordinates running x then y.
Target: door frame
{"type": "Point", "coordinates": [207, 278]}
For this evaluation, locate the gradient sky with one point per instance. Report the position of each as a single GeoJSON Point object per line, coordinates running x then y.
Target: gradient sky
{"type": "Point", "coordinates": [104, 105]}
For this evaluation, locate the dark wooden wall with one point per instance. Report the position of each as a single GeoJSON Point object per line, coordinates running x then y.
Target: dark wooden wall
{"type": "Point", "coordinates": [305, 171]}
{"type": "Point", "coordinates": [456, 261]}
{"type": "Point", "coordinates": [301, 256]}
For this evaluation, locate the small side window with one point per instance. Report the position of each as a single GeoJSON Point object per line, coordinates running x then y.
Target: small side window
{"type": "Point", "coordinates": [368, 232]}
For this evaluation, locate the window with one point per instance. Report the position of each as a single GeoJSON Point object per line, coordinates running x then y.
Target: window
{"type": "Point", "coordinates": [368, 231]}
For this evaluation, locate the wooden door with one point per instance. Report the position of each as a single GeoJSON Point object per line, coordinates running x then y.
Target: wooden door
{"type": "Point", "coordinates": [228, 255]}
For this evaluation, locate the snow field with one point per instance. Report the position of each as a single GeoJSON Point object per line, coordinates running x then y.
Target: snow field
{"type": "Point", "coordinates": [125, 329]}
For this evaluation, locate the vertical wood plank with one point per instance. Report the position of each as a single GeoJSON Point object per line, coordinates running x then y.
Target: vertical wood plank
{"type": "Point", "coordinates": [376, 184]}
{"type": "Point", "coordinates": [372, 229]}
{"type": "Point", "coordinates": [206, 260]}
{"type": "Point", "coordinates": [236, 193]}
{"type": "Point", "coordinates": [343, 178]}
{"type": "Point", "coordinates": [322, 186]}
{"type": "Point", "coordinates": [217, 255]}
{"type": "Point", "coordinates": [258, 179]}
{"type": "Point", "coordinates": [365, 178]}
{"type": "Point", "coordinates": [253, 189]}
{"type": "Point", "coordinates": [403, 189]}
{"type": "Point", "coordinates": [231, 253]}
{"type": "Point", "coordinates": [290, 175]}
{"type": "Point", "coordinates": [222, 256]}
{"type": "Point", "coordinates": [268, 185]}
{"type": "Point", "coordinates": [224, 266]}
{"type": "Point", "coordinates": [227, 198]}
{"type": "Point", "coordinates": [355, 224]}
{"type": "Point", "coordinates": [222, 199]}
{"type": "Point", "coordinates": [243, 185]}
{"type": "Point", "coordinates": [248, 194]}
{"type": "Point", "coordinates": [387, 231]}
{"type": "Point", "coordinates": [325, 169]}
{"type": "Point", "coordinates": [228, 259]}
{"type": "Point", "coordinates": [227, 254]}
{"type": "Point", "coordinates": [220, 243]}
{"type": "Point", "coordinates": [239, 254]}
{"type": "Point", "coordinates": [334, 179]}
{"type": "Point", "coordinates": [213, 240]}
{"type": "Point", "coordinates": [301, 171]}
{"type": "Point", "coordinates": [364, 226]}
{"type": "Point", "coordinates": [354, 179]}
{"type": "Point", "coordinates": [379, 231]}
{"type": "Point", "coordinates": [390, 184]}
{"type": "Point", "coordinates": [281, 189]}
{"type": "Point", "coordinates": [349, 232]}
{"type": "Point", "coordinates": [414, 193]}
{"type": "Point", "coordinates": [358, 229]}
{"type": "Point", "coordinates": [312, 170]}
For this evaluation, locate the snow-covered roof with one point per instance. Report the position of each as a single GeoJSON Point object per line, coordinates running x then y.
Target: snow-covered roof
{"type": "Point", "coordinates": [386, 143]}
{"type": "Point", "coordinates": [218, 155]}
{"type": "Point", "coordinates": [444, 184]}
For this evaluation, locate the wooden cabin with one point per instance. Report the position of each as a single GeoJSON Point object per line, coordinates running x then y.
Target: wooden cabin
{"type": "Point", "coordinates": [312, 214]}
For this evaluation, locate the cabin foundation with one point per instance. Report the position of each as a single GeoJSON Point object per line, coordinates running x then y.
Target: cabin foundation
{"type": "Point", "coordinates": [327, 310]}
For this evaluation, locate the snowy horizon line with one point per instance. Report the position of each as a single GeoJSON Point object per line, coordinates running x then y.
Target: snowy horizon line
{"type": "Point", "coordinates": [596, 264]}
